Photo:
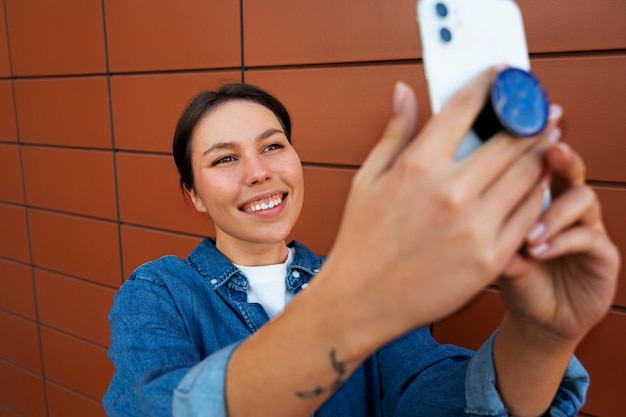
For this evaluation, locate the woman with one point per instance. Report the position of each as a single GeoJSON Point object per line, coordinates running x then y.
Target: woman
{"type": "Point", "coordinates": [223, 332]}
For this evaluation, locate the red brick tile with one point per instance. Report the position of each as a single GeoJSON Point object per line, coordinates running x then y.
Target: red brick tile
{"type": "Point", "coordinates": [61, 37]}
{"type": "Point", "coordinates": [74, 306]}
{"type": "Point", "coordinates": [146, 35]}
{"type": "Point", "coordinates": [473, 324]}
{"type": "Point", "coordinates": [5, 412]}
{"type": "Point", "coordinates": [10, 174]}
{"type": "Point", "coordinates": [14, 236]}
{"type": "Point", "coordinates": [146, 108]}
{"type": "Point", "coordinates": [16, 289]}
{"type": "Point", "coordinates": [340, 113]}
{"type": "Point", "coordinates": [279, 32]}
{"type": "Point", "coordinates": [141, 245]}
{"type": "Point", "coordinates": [150, 195]}
{"type": "Point", "coordinates": [70, 180]}
{"type": "Point", "coordinates": [589, 125]}
{"type": "Point", "coordinates": [613, 202]}
{"type": "Point", "coordinates": [21, 391]}
{"type": "Point", "coordinates": [318, 223]}
{"type": "Point", "coordinates": [602, 354]}
{"type": "Point", "coordinates": [8, 127]}
{"type": "Point", "coordinates": [76, 246]}
{"type": "Point", "coordinates": [577, 27]}
{"type": "Point", "coordinates": [77, 364]}
{"type": "Point", "coordinates": [66, 403]}
{"type": "Point", "coordinates": [5, 66]}
{"type": "Point", "coordinates": [64, 111]}
{"type": "Point", "coordinates": [20, 342]}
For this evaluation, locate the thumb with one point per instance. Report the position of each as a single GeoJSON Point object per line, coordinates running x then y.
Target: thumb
{"type": "Point", "coordinates": [400, 129]}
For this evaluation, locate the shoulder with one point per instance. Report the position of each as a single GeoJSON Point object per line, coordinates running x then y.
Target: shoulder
{"type": "Point", "coordinates": [159, 271]}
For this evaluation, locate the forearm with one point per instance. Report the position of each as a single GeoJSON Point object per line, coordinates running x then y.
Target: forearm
{"type": "Point", "coordinates": [529, 367]}
{"type": "Point", "coordinates": [294, 363]}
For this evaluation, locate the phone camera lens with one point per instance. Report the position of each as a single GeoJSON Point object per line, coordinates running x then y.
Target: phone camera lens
{"type": "Point", "coordinates": [445, 35]}
{"type": "Point", "coordinates": [442, 10]}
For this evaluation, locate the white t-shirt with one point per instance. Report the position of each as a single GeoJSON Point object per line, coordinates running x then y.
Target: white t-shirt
{"type": "Point", "coordinates": [266, 285]}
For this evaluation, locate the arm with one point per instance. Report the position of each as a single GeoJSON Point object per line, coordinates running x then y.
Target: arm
{"type": "Point", "coordinates": [557, 291]}
{"type": "Point", "coordinates": [150, 349]}
{"type": "Point", "coordinates": [415, 218]}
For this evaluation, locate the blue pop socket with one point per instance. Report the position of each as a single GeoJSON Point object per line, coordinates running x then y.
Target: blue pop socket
{"type": "Point", "coordinates": [517, 103]}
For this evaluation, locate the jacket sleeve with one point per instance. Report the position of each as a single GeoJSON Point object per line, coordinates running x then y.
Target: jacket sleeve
{"type": "Point", "coordinates": [420, 377]}
{"type": "Point", "coordinates": [152, 353]}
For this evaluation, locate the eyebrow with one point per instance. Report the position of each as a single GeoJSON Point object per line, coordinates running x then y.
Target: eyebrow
{"type": "Point", "coordinates": [229, 145]}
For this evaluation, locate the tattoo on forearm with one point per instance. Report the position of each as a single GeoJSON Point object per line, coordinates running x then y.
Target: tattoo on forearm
{"type": "Point", "coordinates": [339, 368]}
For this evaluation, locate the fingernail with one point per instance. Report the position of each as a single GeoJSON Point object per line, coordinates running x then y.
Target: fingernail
{"type": "Point", "coordinates": [565, 147]}
{"type": "Point", "coordinates": [539, 249]}
{"type": "Point", "coordinates": [400, 92]}
{"type": "Point", "coordinates": [536, 232]}
{"type": "Point", "coordinates": [554, 135]}
{"type": "Point", "coordinates": [555, 112]}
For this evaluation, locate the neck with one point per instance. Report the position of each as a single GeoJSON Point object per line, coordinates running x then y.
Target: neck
{"type": "Point", "coordinates": [253, 254]}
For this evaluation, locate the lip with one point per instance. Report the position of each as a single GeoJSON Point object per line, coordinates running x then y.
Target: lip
{"type": "Point", "coordinates": [263, 197]}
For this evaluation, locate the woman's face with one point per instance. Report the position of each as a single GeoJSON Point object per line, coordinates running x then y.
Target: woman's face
{"type": "Point", "coordinates": [248, 178]}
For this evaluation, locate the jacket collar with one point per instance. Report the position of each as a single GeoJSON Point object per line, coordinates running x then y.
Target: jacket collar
{"type": "Point", "coordinates": [216, 269]}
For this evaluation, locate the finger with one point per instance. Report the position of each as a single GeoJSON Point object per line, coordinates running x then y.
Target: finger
{"type": "Point", "coordinates": [499, 152]}
{"type": "Point", "coordinates": [518, 266]}
{"type": "Point", "coordinates": [400, 129]}
{"type": "Point", "coordinates": [579, 205]}
{"type": "Point", "coordinates": [443, 133]}
{"type": "Point", "coordinates": [515, 227]}
{"type": "Point", "coordinates": [509, 190]}
{"type": "Point", "coordinates": [575, 240]}
{"type": "Point", "coordinates": [566, 165]}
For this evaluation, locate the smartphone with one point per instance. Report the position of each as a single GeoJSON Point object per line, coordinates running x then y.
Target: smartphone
{"type": "Point", "coordinates": [461, 38]}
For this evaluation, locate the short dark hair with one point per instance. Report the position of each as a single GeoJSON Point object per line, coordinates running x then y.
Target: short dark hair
{"type": "Point", "coordinates": [206, 101]}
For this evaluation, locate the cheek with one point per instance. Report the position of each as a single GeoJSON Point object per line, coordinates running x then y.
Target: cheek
{"type": "Point", "coordinates": [217, 192]}
{"type": "Point", "coordinates": [296, 179]}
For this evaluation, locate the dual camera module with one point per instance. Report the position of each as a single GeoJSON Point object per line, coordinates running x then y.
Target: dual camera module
{"type": "Point", "coordinates": [442, 12]}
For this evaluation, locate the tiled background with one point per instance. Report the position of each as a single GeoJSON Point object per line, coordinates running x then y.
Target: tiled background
{"type": "Point", "coordinates": [89, 94]}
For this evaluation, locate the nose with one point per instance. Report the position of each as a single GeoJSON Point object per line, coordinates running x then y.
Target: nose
{"type": "Point", "coordinates": [257, 171]}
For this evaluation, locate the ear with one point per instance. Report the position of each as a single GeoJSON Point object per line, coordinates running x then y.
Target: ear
{"type": "Point", "coordinates": [196, 200]}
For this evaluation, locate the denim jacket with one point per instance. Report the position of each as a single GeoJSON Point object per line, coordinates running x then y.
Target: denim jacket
{"type": "Point", "coordinates": [175, 323]}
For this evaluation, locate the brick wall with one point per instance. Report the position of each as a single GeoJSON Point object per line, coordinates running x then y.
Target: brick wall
{"type": "Point", "coordinates": [89, 94]}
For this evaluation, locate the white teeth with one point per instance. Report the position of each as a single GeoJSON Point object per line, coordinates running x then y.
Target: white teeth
{"type": "Point", "coordinates": [265, 205]}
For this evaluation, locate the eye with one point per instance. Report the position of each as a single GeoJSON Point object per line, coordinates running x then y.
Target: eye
{"type": "Point", "coordinates": [273, 147]}
{"type": "Point", "coordinates": [223, 160]}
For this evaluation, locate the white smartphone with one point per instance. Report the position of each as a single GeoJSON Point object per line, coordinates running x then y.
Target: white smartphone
{"type": "Point", "coordinates": [461, 38]}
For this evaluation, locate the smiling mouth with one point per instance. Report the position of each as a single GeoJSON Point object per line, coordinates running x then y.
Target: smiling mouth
{"type": "Point", "coordinates": [264, 204]}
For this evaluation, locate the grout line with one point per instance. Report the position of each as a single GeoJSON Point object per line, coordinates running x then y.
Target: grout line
{"type": "Point", "coordinates": [82, 216]}
{"type": "Point", "coordinates": [20, 145]}
{"type": "Point", "coordinates": [309, 65]}
{"type": "Point", "coordinates": [241, 40]}
{"type": "Point", "coordinates": [16, 315]}
{"type": "Point", "coordinates": [607, 184]}
{"type": "Point", "coordinates": [113, 151]}
{"type": "Point", "coordinates": [75, 392]}
{"type": "Point", "coordinates": [73, 336]}
{"type": "Point", "coordinates": [6, 361]}
{"type": "Point", "coordinates": [90, 149]}
{"type": "Point", "coordinates": [127, 73]}
{"type": "Point", "coordinates": [62, 274]}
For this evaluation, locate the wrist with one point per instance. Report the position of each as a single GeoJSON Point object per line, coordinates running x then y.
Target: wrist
{"type": "Point", "coordinates": [530, 363]}
{"type": "Point", "coordinates": [532, 336]}
{"type": "Point", "coordinates": [353, 314]}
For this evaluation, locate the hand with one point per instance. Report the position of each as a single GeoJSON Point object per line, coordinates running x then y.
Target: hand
{"type": "Point", "coordinates": [565, 281]}
{"type": "Point", "coordinates": [423, 233]}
